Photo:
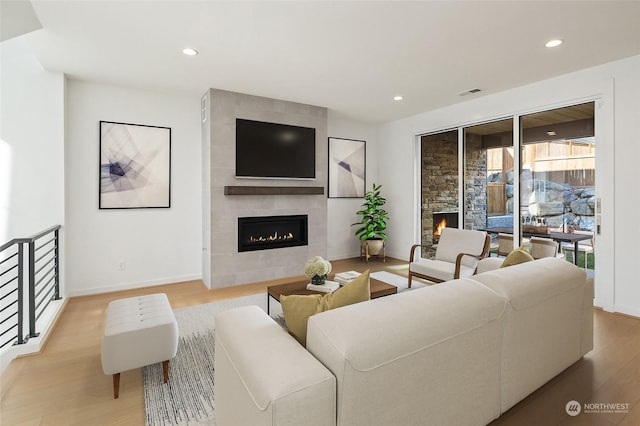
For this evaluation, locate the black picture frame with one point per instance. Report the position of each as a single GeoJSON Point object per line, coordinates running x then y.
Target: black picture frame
{"type": "Point", "coordinates": [134, 166]}
{"type": "Point", "coordinates": [347, 168]}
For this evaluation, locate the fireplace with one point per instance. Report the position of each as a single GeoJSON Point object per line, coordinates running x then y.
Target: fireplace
{"type": "Point", "coordinates": [269, 232]}
{"type": "Point", "coordinates": [443, 220]}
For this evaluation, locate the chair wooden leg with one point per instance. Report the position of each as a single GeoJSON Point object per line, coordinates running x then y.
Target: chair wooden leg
{"type": "Point", "coordinates": [165, 370]}
{"type": "Point", "coordinates": [409, 285]}
{"type": "Point", "coordinates": [116, 385]}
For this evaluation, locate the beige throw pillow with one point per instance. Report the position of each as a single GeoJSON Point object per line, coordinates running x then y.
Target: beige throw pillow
{"type": "Point", "coordinates": [519, 255]}
{"type": "Point", "coordinates": [297, 308]}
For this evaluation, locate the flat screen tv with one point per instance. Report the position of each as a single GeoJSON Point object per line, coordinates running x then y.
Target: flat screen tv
{"type": "Point", "coordinates": [275, 151]}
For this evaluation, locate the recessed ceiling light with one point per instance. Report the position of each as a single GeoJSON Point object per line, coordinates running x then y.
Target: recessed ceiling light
{"type": "Point", "coordinates": [189, 51]}
{"type": "Point", "coordinates": [551, 133]}
{"type": "Point", "coordinates": [553, 43]}
{"type": "Point", "coordinates": [397, 98]}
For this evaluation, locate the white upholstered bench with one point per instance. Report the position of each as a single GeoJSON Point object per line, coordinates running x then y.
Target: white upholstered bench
{"type": "Point", "coordinates": [138, 331]}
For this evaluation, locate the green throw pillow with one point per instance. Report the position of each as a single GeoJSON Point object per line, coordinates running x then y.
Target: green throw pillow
{"type": "Point", "coordinates": [519, 255]}
{"type": "Point", "coordinates": [298, 308]}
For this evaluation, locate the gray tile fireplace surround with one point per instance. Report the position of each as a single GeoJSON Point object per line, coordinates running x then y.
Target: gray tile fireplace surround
{"type": "Point", "coordinates": [223, 265]}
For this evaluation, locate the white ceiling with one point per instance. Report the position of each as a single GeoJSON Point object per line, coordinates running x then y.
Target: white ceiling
{"type": "Point", "coordinates": [349, 56]}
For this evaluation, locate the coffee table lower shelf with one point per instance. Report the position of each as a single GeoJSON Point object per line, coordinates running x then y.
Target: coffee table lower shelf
{"type": "Point", "coordinates": [378, 289]}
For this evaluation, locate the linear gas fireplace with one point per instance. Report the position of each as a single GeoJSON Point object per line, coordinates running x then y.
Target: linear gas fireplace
{"type": "Point", "coordinates": [269, 232]}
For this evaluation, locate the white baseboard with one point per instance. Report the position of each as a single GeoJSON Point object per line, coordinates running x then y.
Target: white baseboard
{"type": "Point", "coordinates": [130, 286]}
{"type": "Point", "coordinates": [344, 255]}
{"type": "Point", "coordinates": [35, 344]}
{"type": "Point", "coordinates": [627, 310]}
{"type": "Point", "coordinates": [400, 256]}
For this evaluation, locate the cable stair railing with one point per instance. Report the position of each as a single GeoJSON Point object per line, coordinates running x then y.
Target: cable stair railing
{"type": "Point", "coordinates": [29, 282]}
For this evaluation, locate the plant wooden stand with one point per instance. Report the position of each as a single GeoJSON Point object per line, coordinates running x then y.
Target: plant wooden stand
{"type": "Point", "coordinates": [367, 253]}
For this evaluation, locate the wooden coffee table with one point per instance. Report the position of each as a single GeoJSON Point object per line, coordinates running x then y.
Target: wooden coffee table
{"type": "Point", "coordinates": [378, 289]}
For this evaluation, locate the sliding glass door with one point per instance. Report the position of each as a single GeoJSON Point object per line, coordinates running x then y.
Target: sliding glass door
{"type": "Point", "coordinates": [557, 178]}
{"type": "Point", "coordinates": [553, 173]}
{"type": "Point", "coordinates": [488, 175]}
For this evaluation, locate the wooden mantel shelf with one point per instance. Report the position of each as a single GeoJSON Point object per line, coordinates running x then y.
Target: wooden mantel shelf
{"type": "Point", "coordinates": [273, 190]}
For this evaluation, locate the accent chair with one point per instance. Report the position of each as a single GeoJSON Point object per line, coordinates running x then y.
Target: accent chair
{"type": "Point", "coordinates": [457, 254]}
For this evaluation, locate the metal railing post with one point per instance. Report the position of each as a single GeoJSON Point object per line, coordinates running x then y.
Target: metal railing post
{"type": "Point", "coordinates": [56, 295]}
{"type": "Point", "coordinates": [32, 289]}
{"type": "Point", "coordinates": [20, 293]}
{"type": "Point", "coordinates": [26, 284]}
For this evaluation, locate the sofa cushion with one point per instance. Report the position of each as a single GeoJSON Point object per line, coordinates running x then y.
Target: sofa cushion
{"type": "Point", "coordinates": [298, 308]}
{"type": "Point", "coordinates": [523, 286]}
{"type": "Point", "coordinates": [517, 256]}
{"type": "Point", "coordinates": [446, 337]}
{"type": "Point", "coordinates": [436, 313]}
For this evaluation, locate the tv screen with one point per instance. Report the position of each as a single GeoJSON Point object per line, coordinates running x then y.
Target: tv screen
{"type": "Point", "coordinates": [269, 150]}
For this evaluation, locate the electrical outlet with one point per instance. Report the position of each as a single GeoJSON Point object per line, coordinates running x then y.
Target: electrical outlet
{"type": "Point", "coordinates": [122, 265]}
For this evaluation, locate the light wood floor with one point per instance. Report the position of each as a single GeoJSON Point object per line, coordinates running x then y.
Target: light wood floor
{"type": "Point", "coordinates": [64, 385]}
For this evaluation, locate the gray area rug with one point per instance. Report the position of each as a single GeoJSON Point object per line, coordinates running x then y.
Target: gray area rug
{"type": "Point", "coordinates": [398, 280]}
{"type": "Point", "coordinates": [188, 397]}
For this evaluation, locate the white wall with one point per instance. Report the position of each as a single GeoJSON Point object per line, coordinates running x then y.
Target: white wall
{"type": "Point", "coordinates": [617, 85]}
{"type": "Point", "coordinates": [625, 175]}
{"type": "Point", "coordinates": [341, 241]}
{"type": "Point", "coordinates": [31, 162]}
{"type": "Point", "coordinates": [158, 245]}
{"type": "Point", "coordinates": [31, 144]}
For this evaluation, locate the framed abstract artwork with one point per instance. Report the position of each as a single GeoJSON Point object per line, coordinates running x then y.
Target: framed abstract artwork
{"type": "Point", "coordinates": [346, 168]}
{"type": "Point", "coordinates": [135, 166]}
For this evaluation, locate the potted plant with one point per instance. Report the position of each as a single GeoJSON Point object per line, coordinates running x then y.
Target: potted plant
{"type": "Point", "coordinates": [373, 223]}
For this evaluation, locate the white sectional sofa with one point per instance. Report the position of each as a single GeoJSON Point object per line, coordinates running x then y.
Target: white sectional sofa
{"type": "Point", "coordinates": [457, 353]}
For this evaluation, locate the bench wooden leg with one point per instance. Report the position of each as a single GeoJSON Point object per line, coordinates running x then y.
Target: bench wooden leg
{"type": "Point", "coordinates": [116, 385]}
{"type": "Point", "coordinates": [165, 370]}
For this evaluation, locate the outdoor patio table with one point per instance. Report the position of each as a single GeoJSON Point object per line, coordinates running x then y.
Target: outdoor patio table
{"type": "Point", "coordinates": [561, 237]}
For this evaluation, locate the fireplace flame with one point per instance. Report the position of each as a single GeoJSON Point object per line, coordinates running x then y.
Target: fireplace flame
{"type": "Point", "coordinates": [440, 227]}
{"type": "Point", "coordinates": [273, 237]}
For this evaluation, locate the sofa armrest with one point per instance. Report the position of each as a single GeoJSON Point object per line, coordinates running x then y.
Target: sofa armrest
{"type": "Point", "coordinates": [489, 264]}
{"type": "Point", "coordinates": [263, 376]}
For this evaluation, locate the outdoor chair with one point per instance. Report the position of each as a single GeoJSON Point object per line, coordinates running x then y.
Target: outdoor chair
{"type": "Point", "coordinates": [505, 244]}
{"type": "Point", "coordinates": [544, 247]}
{"type": "Point", "coordinates": [457, 254]}
{"type": "Point", "coordinates": [585, 246]}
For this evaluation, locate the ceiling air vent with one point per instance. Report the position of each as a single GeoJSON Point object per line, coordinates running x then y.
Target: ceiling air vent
{"type": "Point", "coordinates": [469, 92]}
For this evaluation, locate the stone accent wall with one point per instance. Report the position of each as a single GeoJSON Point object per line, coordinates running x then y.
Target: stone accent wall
{"type": "Point", "coordinates": [227, 266]}
{"type": "Point", "coordinates": [439, 178]}
{"type": "Point", "coordinates": [475, 183]}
